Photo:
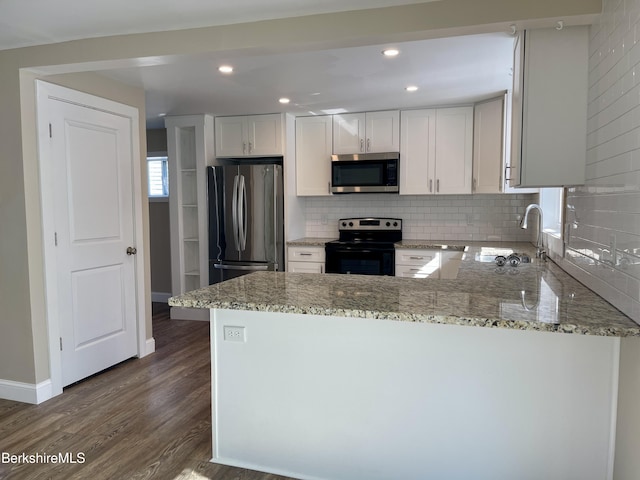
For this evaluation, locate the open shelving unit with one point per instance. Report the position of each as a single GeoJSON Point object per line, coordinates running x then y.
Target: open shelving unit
{"type": "Point", "coordinates": [190, 146]}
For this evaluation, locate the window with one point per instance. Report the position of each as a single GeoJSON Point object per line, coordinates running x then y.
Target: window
{"type": "Point", "coordinates": [158, 176]}
{"type": "Point", "coordinates": [552, 201]}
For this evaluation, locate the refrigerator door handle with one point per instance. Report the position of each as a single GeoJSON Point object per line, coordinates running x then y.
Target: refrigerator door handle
{"type": "Point", "coordinates": [220, 266]}
{"type": "Point", "coordinates": [242, 212]}
{"type": "Point", "coordinates": [234, 212]}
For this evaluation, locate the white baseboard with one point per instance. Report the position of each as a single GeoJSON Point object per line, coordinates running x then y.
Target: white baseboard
{"type": "Point", "coordinates": [26, 392]}
{"type": "Point", "coordinates": [161, 297]}
{"type": "Point", "coordinates": [181, 313]}
{"type": "Point", "coordinates": [150, 346]}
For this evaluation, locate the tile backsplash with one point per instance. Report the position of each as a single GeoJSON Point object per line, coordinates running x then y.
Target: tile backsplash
{"type": "Point", "coordinates": [443, 217]}
{"type": "Point", "coordinates": [603, 217]}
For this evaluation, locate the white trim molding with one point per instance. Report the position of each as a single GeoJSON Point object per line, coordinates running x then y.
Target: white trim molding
{"type": "Point", "coordinates": [150, 346]}
{"type": "Point", "coordinates": [26, 392]}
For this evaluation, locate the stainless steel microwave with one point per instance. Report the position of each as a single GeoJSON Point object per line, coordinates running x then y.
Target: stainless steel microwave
{"type": "Point", "coordinates": [365, 173]}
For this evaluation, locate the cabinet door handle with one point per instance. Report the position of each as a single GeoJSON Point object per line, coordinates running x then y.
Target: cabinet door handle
{"type": "Point", "coordinates": [328, 187]}
{"type": "Point", "coordinates": [244, 148]}
{"type": "Point", "coordinates": [438, 185]}
{"type": "Point", "coordinates": [250, 147]}
{"type": "Point", "coordinates": [475, 184]}
{"type": "Point", "coordinates": [302, 254]}
{"type": "Point", "coordinates": [362, 144]}
{"type": "Point", "coordinates": [431, 185]}
{"type": "Point", "coordinates": [368, 144]}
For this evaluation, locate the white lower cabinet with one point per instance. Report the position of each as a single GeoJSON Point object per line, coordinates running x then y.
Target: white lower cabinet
{"type": "Point", "coordinates": [428, 263]}
{"type": "Point", "coordinates": [305, 259]}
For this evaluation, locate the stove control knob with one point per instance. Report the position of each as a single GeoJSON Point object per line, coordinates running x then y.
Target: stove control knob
{"type": "Point", "coordinates": [501, 260]}
{"type": "Point", "coordinates": [351, 224]}
{"type": "Point", "coordinates": [395, 224]}
{"type": "Point", "coordinates": [388, 224]}
{"type": "Point", "coordinates": [344, 224]}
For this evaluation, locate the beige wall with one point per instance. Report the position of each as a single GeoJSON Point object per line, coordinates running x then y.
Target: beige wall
{"type": "Point", "coordinates": [159, 225]}
{"type": "Point", "coordinates": [160, 243]}
{"type": "Point", "coordinates": [157, 140]}
{"type": "Point", "coordinates": [23, 352]}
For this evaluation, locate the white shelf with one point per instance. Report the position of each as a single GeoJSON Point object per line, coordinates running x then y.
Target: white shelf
{"type": "Point", "coordinates": [190, 148]}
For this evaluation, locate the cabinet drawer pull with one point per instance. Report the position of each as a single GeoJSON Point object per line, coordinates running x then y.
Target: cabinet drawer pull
{"type": "Point", "coordinates": [416, 258]}
{"type": "Point", "coordinates": [302, 254]}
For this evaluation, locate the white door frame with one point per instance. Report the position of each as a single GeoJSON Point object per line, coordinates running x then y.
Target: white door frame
{"type": "Point", "coordinates": [46, 91]}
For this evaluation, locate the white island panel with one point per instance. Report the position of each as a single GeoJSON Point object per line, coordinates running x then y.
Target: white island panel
{"type": "Point", "coordinates": [325, 397]}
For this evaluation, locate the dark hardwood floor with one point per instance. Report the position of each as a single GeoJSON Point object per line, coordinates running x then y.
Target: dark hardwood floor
{"type": "Point", "coordinates": [146, 418]}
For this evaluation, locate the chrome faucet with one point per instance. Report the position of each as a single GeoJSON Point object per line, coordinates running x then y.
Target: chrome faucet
{"type": "Point", "coordinates": [540, 253]}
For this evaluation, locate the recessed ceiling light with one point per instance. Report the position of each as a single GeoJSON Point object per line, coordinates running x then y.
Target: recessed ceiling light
{"type": "Point", "coordinates": [284, 100]}
{"type": "Point", "coordinates": [390, 52]}
{"type": "Point", "coordinates": [225, 69]}
{"type": "Point", "coordinates": [411, 88]}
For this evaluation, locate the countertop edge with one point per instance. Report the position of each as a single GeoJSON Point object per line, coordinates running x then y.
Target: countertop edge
{"type": "Point", "coordinates": [567, 328]}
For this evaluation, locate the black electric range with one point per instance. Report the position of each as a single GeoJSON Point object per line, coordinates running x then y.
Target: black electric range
{"type": "Point", "coordinates": [365, 246]}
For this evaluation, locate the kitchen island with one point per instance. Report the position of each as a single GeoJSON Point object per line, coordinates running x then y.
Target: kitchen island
{"type": "Point", "coordinates": [321, 376]}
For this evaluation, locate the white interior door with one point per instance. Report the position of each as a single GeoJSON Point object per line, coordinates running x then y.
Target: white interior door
{"type": "Point", "coordinates": [92, 158]}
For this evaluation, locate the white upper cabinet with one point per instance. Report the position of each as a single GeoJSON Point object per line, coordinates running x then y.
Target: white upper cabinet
{"type": "Point", "coordinates": [348, 133]}
{"type": "Point", "coordinates": [436, 151]}
{"type": "Point", "coordinates": [382, 131]}
{"type": "Point", "coordinates": [488, 140]}
{"type": "Point", "coordinates": [313, 155]}
{"type": "Point", "coordinates": [368, 132]}
{"type": "Point", "coordinates": [454, 149]}
{"type": "Point", "coordinates": [417, 151]}
{"type": "Point", "coordinates": [549, 117]}
{"type": "Point", "coordinates": [249, 136]}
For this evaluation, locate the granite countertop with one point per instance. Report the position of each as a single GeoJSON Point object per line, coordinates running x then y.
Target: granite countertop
{"type": "Point", "coordinates": [534, 296]}
{"type": "Point", "coordinates": [309, 242]}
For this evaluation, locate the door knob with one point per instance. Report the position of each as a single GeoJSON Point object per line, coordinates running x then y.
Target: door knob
{"type": "Point", "coordinates": [132, 250]}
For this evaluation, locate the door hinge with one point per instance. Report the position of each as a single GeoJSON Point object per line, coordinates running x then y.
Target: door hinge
{"type": "Point", "coordinates": [50, 131]}
{"type": "Point", "coordinates": [55, 238]}
{"type": "Point", "coordinates": [60, 343]}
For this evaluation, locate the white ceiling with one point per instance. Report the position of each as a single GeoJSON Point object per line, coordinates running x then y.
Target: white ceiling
{"type": "Point", "coordinates": [446, 70]}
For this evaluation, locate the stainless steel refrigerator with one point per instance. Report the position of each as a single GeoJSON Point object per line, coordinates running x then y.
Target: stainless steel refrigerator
{"type": "Point", "coordinates": [246, 219]}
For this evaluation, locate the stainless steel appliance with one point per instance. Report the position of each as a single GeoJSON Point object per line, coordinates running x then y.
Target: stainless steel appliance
{"type": "Point", "coordinates": [365, 246]}
{"type": "Point", "coordinates": [365, 173]}
{"type": "Point", "coordinates": [246, 218]}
